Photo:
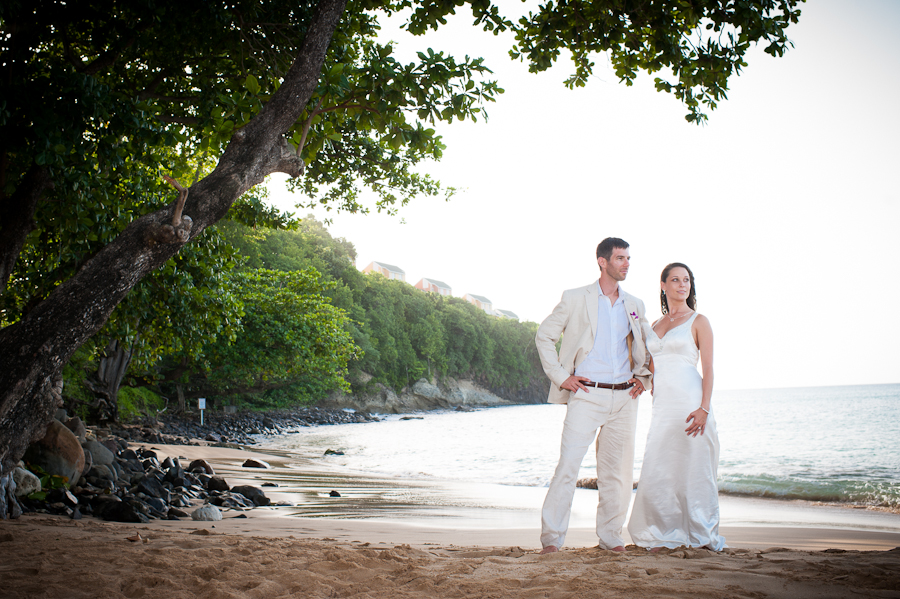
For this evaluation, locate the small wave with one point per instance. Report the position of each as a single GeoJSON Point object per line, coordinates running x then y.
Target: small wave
{"type": "Point", "coordinates": [884, 494]}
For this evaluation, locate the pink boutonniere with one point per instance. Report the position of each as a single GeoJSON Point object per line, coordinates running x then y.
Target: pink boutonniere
{"type": "Point", "coordinates": [634, 315]}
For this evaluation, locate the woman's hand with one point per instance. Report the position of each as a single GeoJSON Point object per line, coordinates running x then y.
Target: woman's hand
{"type": "Point", "coordinates": [697, 422]}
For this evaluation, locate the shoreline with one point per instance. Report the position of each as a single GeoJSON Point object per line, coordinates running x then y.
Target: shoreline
{"type": "Point", "coordinates": [373, 505]}
{"type": "Point", "coordinates": [271, 553]}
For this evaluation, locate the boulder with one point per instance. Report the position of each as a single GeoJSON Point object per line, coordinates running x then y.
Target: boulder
{"type": "Point", "coordinates": [152, 487]}
{"type": "Point", "coordinates": [232, 501]}
{"type": "Point", "coordinates": [26, 482]}
{"type": "Point", "coordinates": [88, 463]}
{"type": "Point", "coordinates": [100, 454]}
{"type": "Point", "coordinates": [254, 494]}
{"type": "Point", "coordinates": [100, 503]}
{"type": "Point", "coordinates": [103, 472]}
{"type": "Point", "coordinates": [216, 483]}
{"type": "Point", "coordinates": [586, 483]}
{"type": "Point", "coordinates": [125, 511]}
{"type": "Point", "coordinates": [202, 466]}
{"type": "Point", "coordinates": [207, 513]}
{"type": "Point", "coordinates": [59, 452]}
{"type": "Point", "coordinates": [126, 454]}
{"type": "Point", "coordinates": [174, 475]}
{"type": "Point", "coordinates": [251, 463]}
{"type": "Point", "coordinates": [75, 425]}
{"type": "Point", "coordinates": [157, 506]}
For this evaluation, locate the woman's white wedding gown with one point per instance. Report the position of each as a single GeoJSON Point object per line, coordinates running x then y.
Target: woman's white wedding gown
{"type": "Point", "coordinates": [677, 500]}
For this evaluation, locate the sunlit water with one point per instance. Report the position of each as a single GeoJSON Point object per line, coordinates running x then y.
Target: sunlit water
{"type": "Point", "coordinates": [836, 444]}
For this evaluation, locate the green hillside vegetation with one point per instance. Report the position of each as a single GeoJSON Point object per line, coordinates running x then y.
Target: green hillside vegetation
{"type": "Point", "coordinates": [399, 334]}
{"type": "Point", "coordinates": [302, 323]}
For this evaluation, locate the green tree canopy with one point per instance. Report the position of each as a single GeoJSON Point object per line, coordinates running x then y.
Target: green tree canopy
{"type": "Point", "coordinates": [99, 98]}
{"type": "Point", "coordinates": [290, 335]}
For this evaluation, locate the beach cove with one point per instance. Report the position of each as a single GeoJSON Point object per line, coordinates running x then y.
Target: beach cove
{"type": "Point", "coordinates": [274, 552]}
{"type": "Point", "coordinates": [446, 504]}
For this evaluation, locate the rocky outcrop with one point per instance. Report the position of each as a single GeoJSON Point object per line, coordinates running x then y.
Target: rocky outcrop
{"type": "Point", "coordinates": [420, 396]}
{"type": "Point", "coordinates": [136, 487]}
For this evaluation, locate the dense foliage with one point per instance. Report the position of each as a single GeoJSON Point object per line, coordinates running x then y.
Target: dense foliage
{"type": "Point", "coordinates": [290, 336]}
{"type": "Point", "coordinates": [105, 99]}
{"type": "Point", "coordinates": [312, 324]}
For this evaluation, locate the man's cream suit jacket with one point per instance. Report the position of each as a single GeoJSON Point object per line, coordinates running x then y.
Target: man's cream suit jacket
{"type": "Point", "coordinates": [576, 316]}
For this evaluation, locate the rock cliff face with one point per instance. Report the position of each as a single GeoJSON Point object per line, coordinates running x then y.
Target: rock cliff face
{"type": "Point", "coordinates": [424, 395]}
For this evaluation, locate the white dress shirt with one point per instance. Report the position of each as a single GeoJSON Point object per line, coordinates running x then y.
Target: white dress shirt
{"type": "Point", "coordinates": [608, 360]}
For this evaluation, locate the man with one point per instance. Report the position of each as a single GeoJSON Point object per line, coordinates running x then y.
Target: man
{"type": "Point", "coordinates": [600, 371]}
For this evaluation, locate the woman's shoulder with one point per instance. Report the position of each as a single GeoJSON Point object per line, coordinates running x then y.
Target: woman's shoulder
{"type": "Point", "coordinates": [701, 320]}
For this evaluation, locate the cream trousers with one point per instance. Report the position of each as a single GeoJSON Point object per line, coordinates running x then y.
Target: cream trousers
{"type": "Point", "coordinates": [615, 414]}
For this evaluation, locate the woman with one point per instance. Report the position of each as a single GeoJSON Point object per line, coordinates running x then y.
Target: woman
{"type": "Point", "coordinates": [677, 500]}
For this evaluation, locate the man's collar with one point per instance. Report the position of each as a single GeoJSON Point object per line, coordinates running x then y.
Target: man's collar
{"type": "Point", "coordinates": [618, 287]}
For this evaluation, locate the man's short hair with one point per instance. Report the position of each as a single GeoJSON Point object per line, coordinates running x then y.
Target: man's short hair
{"type": "Point", "coordinates": [606, 247]}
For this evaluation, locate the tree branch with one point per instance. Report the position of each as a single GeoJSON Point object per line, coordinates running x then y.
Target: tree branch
{"type": "Point", "coordinates": [306, 125]}
{"type": "Point", "coordinates": [182, 197]}
{"type": "Point", "coordinates": [17, 217]}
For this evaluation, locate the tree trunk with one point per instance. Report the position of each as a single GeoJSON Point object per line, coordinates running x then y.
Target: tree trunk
{"type": "Point", "coordinates": [34, 350]}
{"type": "Point", "coordinates": [182, 405]}
{"type": "Point", "coordinates": [113, 366]}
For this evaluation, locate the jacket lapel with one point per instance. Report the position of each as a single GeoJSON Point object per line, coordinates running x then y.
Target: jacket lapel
{"type": "Point", "coordinates": [592, 297]}
{"type": "Point", "coordinates": [632, 313]}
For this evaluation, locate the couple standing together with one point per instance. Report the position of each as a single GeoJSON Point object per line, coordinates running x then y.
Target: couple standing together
{"type": "Point", "coordinates": [608, 356]}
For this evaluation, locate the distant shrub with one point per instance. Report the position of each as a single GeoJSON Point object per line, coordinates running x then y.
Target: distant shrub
{"type": "Point", "coordinates": [135, 402]}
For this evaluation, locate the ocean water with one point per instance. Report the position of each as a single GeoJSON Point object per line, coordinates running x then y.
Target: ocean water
{"type": "Point", "coordinates": [832, 444]}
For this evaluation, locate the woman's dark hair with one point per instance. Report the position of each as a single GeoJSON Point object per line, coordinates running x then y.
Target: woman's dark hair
{"type": "Point", "coordinates": [692, 296]}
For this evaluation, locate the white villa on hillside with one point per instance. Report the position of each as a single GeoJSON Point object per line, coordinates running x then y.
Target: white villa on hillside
{"type": "Point", "coordinates": [480, 301]}
{"type": "Point", "coordinates": [434, 286]}
{"type": "Point", "coordinates": [389, 271]}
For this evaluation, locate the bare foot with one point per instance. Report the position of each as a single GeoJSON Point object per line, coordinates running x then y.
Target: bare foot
{"type": "Point", "coordinates": [549, 549]}
{"type": "Point", "coordinates": [655, 549]}
{"type": "Point", "coordinates": [618, 548]}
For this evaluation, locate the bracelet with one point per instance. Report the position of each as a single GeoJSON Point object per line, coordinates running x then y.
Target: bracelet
{"type": "Point", "coordinates": [704, 409]}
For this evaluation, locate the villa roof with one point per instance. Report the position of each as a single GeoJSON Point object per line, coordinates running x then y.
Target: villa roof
{"type": "Point", "coordinates": [480, 298]}
{"type": "Point", "coordinates": [390, 267]}
{"type": "Point", "coordinates": [436, 282]}
{"type": "Point", "coordinates": [508, 314]}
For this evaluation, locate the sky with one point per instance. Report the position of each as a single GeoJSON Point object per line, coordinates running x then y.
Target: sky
{"type": "Point", "coordinates": [785, 205]}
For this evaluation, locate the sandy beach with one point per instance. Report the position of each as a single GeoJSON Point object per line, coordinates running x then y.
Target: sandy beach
{"type": "Point", "coordinates": [292, 552]}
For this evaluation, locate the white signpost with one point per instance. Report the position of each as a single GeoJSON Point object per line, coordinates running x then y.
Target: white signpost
{"type": "Point", "coordinates": [201, 404]}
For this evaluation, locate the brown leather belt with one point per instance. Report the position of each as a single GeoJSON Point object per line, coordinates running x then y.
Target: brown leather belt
{"type": "Point", "coordinates": [616, 387]}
